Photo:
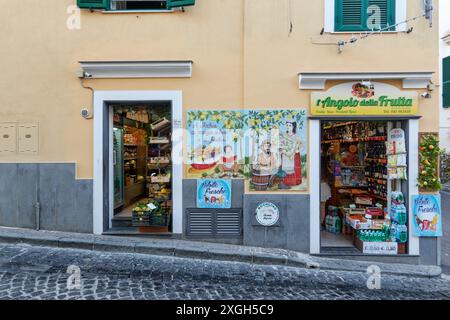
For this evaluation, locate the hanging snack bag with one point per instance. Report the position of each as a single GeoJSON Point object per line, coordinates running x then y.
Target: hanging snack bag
{"type": "Point", "coordinates": [392, 173]}
{"type": "Point", "coordinates": [401, 173]}
{"type": "Point", "coordinates": [396, 142]}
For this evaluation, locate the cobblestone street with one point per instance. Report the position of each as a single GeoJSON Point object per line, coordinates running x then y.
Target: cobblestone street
{"type": "Point", "coordinates": [41, 273]}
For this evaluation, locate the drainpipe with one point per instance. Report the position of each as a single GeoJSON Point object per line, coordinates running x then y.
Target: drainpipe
{"type": "Point", "coordinates": [37, 207]}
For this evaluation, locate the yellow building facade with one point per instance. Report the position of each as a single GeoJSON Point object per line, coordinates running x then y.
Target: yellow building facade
{"type": "Point", "coordinates": [63, 65]}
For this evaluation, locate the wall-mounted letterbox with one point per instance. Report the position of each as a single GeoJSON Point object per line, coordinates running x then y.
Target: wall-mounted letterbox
{"type": "Point", "coordinates": [28, 138]}
{"type": "Point", "coordinates": [8, 138]}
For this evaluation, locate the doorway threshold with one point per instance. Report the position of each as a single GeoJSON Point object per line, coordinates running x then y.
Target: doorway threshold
{"type": "Point", "coordinates": [346, 253]}
{"type": "Point", "coordinates": [339, 251]}
{"type": "Point", "coordinates": [135, 231]}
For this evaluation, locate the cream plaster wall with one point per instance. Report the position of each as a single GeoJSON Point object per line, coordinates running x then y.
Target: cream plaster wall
{"type": "Point", "coordinates": [243, 51]}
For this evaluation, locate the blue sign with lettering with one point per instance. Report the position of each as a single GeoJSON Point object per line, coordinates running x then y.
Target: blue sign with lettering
{"type": "Point", "coordinates": [427, 215]}
{"type": "Point", "coordinates": [214, 194]}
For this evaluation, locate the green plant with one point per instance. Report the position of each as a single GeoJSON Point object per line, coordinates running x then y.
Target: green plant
{"type": "Point", "coordinates": [429, 152]}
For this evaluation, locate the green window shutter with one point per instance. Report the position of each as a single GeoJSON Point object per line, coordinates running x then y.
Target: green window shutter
{"type": "Point", "coordinates": [179, 3]}
{"type": "Point", "coordinates": [446, 84]}
{"type": "Point", "coordinates": [93, 4]}
{"type": "Point", "coordinates": [387, 10]}
{"type": "Point", "coordinates": [349, 15]}
{"type": "Point", "coordinates": [353, 15]}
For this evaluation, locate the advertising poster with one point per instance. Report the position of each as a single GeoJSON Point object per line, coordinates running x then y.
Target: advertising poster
{"type": "Point", "coordinates": [215, 144]}
{"type": "Point", "coordinates": [427, 215]}
{"type": "Point", "coordinates": [266, 147]}
{"type": "Point", "coordinates": [361, 98]}
{"type": "Point", "coordinates": [214, 194]}
{"type": "Point", "coordinates": [278, 150]}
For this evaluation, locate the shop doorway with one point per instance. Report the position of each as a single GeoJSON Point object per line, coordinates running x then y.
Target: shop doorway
{"type": "Point", "coordinates": [142, 167]}
{"type": "Point", "coordinates": [106, 206]}
{"type": "Point", "coordinates": [364, 187]}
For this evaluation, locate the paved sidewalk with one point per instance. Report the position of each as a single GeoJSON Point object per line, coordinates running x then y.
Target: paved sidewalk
{"type": "Point", "coordinates": [202, 250]}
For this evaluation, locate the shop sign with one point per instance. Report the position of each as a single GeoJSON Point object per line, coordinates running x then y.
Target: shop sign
{"type": "Point", "coordinates": [267, 214]}
{"type": "Point", "coordinates": [427, 215]}
{"type": "Point", "coordinates": [364, 99]}
{"type": "Point", "coordinates": [387, 248]}
{"type": "Point", "coordinates": [214, 194]}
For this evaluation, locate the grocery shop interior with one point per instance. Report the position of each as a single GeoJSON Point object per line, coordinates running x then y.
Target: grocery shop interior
{"type": "Point", "coordinates": [363, 186]}
{"type": "Point", "coordinates": [142, 153]}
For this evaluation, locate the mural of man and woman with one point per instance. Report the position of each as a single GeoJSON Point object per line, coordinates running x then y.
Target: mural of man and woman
{"type": "Point", "coordinates": [264, 146]}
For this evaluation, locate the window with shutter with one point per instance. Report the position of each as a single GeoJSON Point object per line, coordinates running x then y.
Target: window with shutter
{"type": "Point", "coordinates": [364, 15]}
{"type": "Point", "coordinates": [179, 3]}
{"type": "Point", "coordinates": [93, 4]}
{"type": "Point", "coordinates": [446, 82]}
{"type": "Point", "coordinates": [119, 5]}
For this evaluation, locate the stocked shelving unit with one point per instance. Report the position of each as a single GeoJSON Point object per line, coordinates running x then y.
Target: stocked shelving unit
{"type": "Point", "coordinates": [159, 169]}
{"type": "Point", "coordinates": [360, 184]}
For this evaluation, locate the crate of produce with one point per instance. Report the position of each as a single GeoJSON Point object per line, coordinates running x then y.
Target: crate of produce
{"type": "Point", "coordinates": [355, 211]}
{"type": "Point", "coordinates": [159, 140]}
{"type": "Point", "coordinates": [140, 218]}
{"type": "Point", "coordinates": [155, 179]}
{"type": "Point", "coordinates": [357, 222]}
{"type": "Point", "coordinates": [159, 220]}
{"type": "Point", "coordinates": [156, 160]}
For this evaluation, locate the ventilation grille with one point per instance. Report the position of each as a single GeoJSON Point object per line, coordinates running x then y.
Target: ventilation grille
{"type": "Point", "coordinates": [200, 224]}
{"type": "Point", "coordinates": [210, 223]}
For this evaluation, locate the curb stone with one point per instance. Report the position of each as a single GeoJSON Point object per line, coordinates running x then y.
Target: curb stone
{"type": "Point", "coordinates": [203, 250]}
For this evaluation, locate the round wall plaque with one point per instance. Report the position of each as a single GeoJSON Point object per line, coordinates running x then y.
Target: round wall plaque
{"type": "Point", "coordinates": [267, 214]}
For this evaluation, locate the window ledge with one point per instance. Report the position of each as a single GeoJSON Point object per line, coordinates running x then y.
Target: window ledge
{"type": "Point", "coordinates": [137, 11]}
{"type": "Point", "coordinates": [362, 32]}
{"type": "Point", "coordinates": [135, 69]}
{"type": "Point", "coordinates": [410, 80]}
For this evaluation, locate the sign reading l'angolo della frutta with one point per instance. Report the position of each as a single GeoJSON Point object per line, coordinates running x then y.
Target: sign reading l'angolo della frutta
{"type": "Point", "coordinates": [360, 98]}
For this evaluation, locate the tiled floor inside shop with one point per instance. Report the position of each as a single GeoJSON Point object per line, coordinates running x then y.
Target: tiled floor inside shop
{"type": "Point", "coordinates": [329, 239]}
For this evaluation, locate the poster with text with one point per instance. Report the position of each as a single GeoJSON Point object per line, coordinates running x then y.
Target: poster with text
{"type": "Point", "coordinates": [214, 194]}
{"type": "Point", "coordinates": [427, 215]}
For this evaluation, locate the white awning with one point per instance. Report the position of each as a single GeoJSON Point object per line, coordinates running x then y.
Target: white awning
{"type": "Point", "coordinates": [135, 69]}
{"type": "Point", "coordinates": [317, 80]}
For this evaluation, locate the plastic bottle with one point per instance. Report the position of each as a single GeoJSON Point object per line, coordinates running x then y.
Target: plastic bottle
{"type": "Point", "coordinates": [398, 214]}
{"type": "Point", "coordinates": [402, 234]}
{"type": "Point", "coordinates": [393, 233]}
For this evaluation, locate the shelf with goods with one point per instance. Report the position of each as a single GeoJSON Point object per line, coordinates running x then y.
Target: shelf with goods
{"type": "Point", "coordinates": [135, 158]}
{"type": "Point", "coordinates": [159, 165]}
{"type": "Point", "coordinates": [359, 182]}
{"type": "Point", "coordinates": [364, 200]}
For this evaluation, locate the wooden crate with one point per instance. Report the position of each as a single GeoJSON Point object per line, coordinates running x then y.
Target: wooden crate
{"type": "Point", "coordinates": [140, 219]}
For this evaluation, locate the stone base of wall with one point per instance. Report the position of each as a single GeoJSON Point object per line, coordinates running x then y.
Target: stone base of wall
{"type": "Point", "coordinates": [66, 204]}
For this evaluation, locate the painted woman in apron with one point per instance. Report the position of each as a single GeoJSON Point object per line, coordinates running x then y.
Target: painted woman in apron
{"type": "Point", "coordinates": [291, 160]}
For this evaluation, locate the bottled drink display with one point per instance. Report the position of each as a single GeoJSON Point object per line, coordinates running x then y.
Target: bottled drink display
{"type": "Point", "coordinates": [361, 187]}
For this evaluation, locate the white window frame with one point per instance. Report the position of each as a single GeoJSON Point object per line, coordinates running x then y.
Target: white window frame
{"type": "Point", "coordinates": [111, 10]}
{"type": "Point", "coordinates": [400, 15]}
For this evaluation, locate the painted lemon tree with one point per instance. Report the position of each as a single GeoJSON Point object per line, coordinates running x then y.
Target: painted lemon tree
{"type": "Point", "coordinates": [267, 147]}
